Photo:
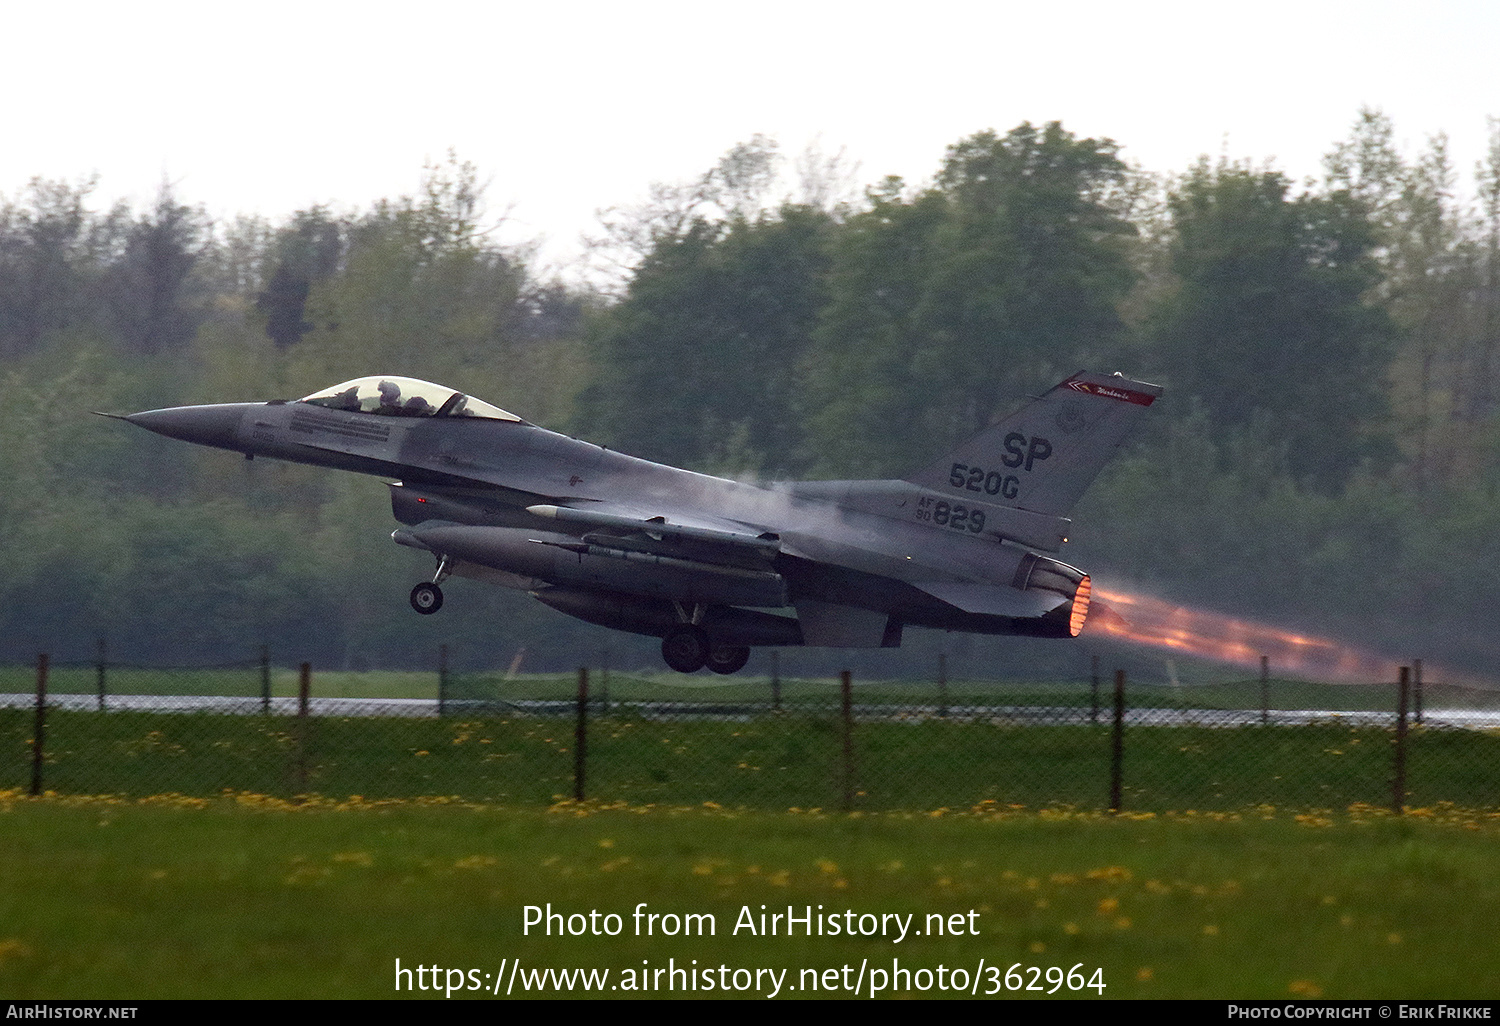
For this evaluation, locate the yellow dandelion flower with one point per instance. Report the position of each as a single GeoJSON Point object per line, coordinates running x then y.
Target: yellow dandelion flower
{"type": "Point", "coordinates": [1037, 947]}
{"type": "Point", "coordinates": [1144, 974]}
{"type": "Point", "coordinates": [1123, 923]}
{"type": "Point", "coordinates": [606, 843]}
{"type": "Point", "coordinates": [1210, 930]}
{"type": "Point", "coordinates": [1393, 938]}
{"type": "Point", "coordinates": [1071, 929]}
{"type": "Point", "coordinates": [1108, 905]}
{"type": "Point", "coordinates": [1305, 988]}
{"type": "Point", "coordinates": [827, 866]}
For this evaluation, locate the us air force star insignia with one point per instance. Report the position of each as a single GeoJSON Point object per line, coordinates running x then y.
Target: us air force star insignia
{"type": "Point", "coordinates": [1070, 417]}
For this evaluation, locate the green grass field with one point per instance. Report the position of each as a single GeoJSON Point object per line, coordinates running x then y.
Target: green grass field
{"type": "Point", "coordinates": [253, 897]}
{"type": "Point", "coordinates": [212, 855]}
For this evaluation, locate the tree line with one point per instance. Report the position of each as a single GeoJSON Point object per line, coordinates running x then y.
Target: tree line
{"type": "Point", "coordinates": [1327, 454]}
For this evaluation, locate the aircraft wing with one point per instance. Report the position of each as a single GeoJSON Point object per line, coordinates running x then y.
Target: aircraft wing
{"type": "Point", "coordinates": [697, 537]}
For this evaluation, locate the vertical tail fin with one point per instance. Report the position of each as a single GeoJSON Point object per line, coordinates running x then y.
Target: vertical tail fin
{"type": "Point", "coordinates": [1044, 456]}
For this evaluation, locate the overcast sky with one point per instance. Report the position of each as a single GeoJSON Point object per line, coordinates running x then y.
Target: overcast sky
{"type": "Point", "coordinates": [568, 107]}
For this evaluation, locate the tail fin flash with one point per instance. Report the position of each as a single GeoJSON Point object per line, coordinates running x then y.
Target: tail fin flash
{"type": "Point", "coordinates": [1043, 457]}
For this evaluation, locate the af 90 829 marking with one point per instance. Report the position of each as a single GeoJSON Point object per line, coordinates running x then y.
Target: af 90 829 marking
{"type": "Point", "coordinates": [945, 514]}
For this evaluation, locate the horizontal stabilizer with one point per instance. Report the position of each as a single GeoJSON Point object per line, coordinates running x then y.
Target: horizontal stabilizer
{"type": "Point", "coordinates": [993, 599]}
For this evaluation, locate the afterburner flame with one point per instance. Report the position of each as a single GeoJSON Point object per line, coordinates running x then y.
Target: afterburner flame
{"type": "Point", "coordinates": [1080, 611]}
{"type": "Point", "coordinates": [1143, 620]}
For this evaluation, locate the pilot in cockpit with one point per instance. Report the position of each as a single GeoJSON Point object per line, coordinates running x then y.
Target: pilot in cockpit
{"type": "Point", "coordinates": [390, 399]}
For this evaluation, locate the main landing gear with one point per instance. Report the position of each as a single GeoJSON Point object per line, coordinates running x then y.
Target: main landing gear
{"type": "Point", "coordinates": [687, 649]}
{"type": "Point", "coordinates": [427, 597]}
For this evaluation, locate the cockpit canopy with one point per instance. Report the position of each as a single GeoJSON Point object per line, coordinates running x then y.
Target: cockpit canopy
{"type": "Point", "coordinates": [392, 396]}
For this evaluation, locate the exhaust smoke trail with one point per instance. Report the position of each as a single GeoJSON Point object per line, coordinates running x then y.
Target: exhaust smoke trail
{"type": "Point", "coordinates": [1143, 620]}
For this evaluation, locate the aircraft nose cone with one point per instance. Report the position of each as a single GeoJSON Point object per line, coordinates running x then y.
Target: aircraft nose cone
{"type": "Point", "coordinates": [205, 425]}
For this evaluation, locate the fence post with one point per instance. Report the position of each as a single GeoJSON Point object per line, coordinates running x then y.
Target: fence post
{"type": "Point", "coordinates": [604, 683]}
{"type": "Point", "coordinates": [943, 684]}
{"type": "Point", "coordinates": [1094, 714]}
{"type": "Point", "coordinates": [100, 663]}
{"type": "Point", "coordinates": [40, 729]}
{"type": "Point", "coordinates": [442, 680]}
{"type": "Point", "coordinates": [1265, 691]}
{"type": "Point", "coordinates": [265, 680]}
{"type": "Point", "coordinates": [581, 734]}
{"type": "Point", "coordinates": [1398, 783]}
{"type": "Point", "coordinates": [848, 718]}
{"type": "Point", "coordinates": [1117, 746]}
{"type": "Point", "coordinates": [775, 680]}
{"type": "Point", "coordinates": [1417, 690]}
{"type": "Point", "coordinates": [304, 688]}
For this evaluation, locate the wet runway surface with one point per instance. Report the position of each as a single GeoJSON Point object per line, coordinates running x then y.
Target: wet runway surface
{"type": "Point", "coordinates": [730, 710]}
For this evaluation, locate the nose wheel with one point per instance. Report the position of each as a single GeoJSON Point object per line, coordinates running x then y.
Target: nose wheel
{"type": "Point", "coordinates": [427, 598]}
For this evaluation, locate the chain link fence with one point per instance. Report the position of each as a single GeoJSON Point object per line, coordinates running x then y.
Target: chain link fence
{"type": "Point", "coordinates": [768, 743]}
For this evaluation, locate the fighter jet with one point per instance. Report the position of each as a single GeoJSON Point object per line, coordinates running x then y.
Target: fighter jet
{"type": "Point", "coordinates": [711, 566]}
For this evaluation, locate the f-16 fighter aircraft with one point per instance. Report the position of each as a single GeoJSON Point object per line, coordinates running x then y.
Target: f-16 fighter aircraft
{"type": "Point", "coordinates": [712, 566]}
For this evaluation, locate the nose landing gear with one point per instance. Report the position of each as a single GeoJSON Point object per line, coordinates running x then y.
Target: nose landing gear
{"type": "Point", "coordinates": [427, 597]}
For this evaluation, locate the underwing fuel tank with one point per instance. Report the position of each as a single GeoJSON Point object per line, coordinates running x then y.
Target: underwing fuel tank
{"type": "Point", "coordinates": [593, 563]}
{"type": "Point", "coordinates": [657, 617]}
